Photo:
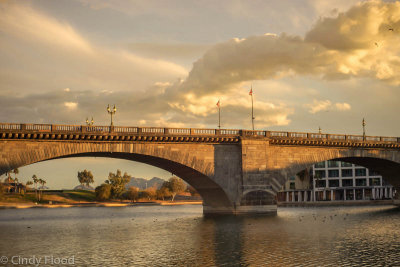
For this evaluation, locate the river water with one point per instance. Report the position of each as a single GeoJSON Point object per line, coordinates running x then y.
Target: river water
{"type": "Point", "coordinates": [181, 236]}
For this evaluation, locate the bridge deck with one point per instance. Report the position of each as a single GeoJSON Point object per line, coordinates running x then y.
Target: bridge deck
{"type": "Point", "coordinates": [120, 133]}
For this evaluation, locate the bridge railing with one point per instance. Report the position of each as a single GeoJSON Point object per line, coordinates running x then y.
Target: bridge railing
{"type": "Point", "coordinates": [10, 126]}
{"type": "Point", "coordinates": [337, 136]}
{"type": "Point", "coordinates": [119, 129]}
{"type": "Point", "coordinates": [229, 132]}
{"type": "Point", "coordinates": [38, 127]}
{"type": "Point", "coordinates": [104, 129]}
{"type": "Point", "coordinates": [67, 128]}
{"type": "Point", "coordinates": [204, 131]}
{"type": "Point", "coordinates": [191, 131]}
{"type": "Point", "coordinates": [183, 131]}
{"type": "Point", "coordinates": [278, 134]}
{"type": "Point", "coordinates": [151, 130]}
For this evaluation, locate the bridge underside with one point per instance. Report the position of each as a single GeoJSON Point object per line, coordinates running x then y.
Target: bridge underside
{"type": "Point", "coordinates": [214, 197]}
{"type": "Point", "coordinates": [389, 170]}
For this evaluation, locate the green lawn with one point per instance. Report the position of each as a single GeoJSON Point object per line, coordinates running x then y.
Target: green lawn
{"type": "Point", "coordinates": [80, 195]}
{"type": "Point", "coordinates": [55, 197]}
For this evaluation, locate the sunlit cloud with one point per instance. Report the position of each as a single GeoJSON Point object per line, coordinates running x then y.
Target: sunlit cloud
{"type": "Point", "coordinates": [71, 105]}
{"type": "Point", "coordinates": [69, 56]}
{"type": "Point", "coordinates": [342, 106]}
{"type": "Point", "coordinates": [319, 105]}
{"type": "Point", "coordinates": [326, 105]}
{"type": "Point", "coordinates": [25, 23]}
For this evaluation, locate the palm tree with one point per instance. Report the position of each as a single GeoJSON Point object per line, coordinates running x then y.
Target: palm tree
{"type": "Point", "coordinates": [9, 179]}
{"type": "Point", "coordinates": [42, 182]}
{"type": "Point", "coordinates": [28, 184]}
{"type": "Point", "coordinates": [15, 171]}
{"type": "Point", "coordinates": [40, 188]}
{"type": "Point", "coordinates": [15, 184]}
{"type": "Point", "coordinates": [35, 181]}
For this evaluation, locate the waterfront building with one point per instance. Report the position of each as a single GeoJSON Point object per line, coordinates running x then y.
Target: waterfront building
{"type": "Point", "coordinates": [335, 180]}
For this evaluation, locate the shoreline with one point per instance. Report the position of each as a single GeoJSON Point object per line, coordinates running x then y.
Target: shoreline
{"type": "Point", "coordinates": [94, 204]}
{"type": "Point", "coordinates": [338, 203]}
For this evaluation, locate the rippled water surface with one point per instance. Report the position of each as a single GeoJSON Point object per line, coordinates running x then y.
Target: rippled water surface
{"type": "Point", "coordinates": [181, 236]}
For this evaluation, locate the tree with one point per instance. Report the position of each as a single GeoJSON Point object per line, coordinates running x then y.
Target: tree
{"type": "Point", "coordinates": [175, 186]}
{"type": "Point", "coordinates": [103, 192]}
{"type": "Point", "coordinates": [42, 182]}
{"type": "Point", "coordinates": [163, 192]}
{"type": "Point", "coordinates": [28, 183]}
{"type": "Point", "coordinates": [15, 171]}
{"type": "Point", "coordinates": [85, 177]}
{"type": "Point", "coordinates": [133, 193]}
{"type": "Point", "coordinates": [15, 185]}
{"type": "Point", "coordinates": [1, 191]}
{"type": "Point", "coordinates": [117, 182]}
{"type": "Point", "coordinates": [35, 181]}
{"type": "Point", "coordinates": [149, 193]}
{"type": "Point", "coordinates": [9, 180]}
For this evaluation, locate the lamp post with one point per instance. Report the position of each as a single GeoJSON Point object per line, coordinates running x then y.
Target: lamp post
{"type": "Point", "coordinates": [363, 125]}
{"type": "Point", "coordinates": [252, 110]}
{"type": "Point", "coordinates": [219, 114]}
{"type": "Point", "coordinates": [111, 112]}
{"type": "Point", "coordinates": [89, 123]}
{"type": "Point", "coordinates": [319, 130]}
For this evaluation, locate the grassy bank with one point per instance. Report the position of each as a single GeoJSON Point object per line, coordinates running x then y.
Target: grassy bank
{"type": "Point", "coordinates": [73, 198]}
{"type": "Point", "coordinates": [59, 197]}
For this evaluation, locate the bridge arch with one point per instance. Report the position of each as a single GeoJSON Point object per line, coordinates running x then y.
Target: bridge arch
{"type": "Point", "coordinates": [260, 197]}
{"type": "Point", "coordinates": [385, 161]}
{"type": "Point", "coordinates": [390, 170]}
{"type": "Point", "coordinates": [176, 158]}
{"type": "Point", "coordinates": [209, 190]}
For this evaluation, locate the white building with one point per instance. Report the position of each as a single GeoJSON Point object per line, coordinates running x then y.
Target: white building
{"type": "Point", "coordinates": [335, 180]}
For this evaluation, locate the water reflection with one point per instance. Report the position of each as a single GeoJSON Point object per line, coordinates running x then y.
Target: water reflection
{"type": "Point", "coordinates": [181, 236]}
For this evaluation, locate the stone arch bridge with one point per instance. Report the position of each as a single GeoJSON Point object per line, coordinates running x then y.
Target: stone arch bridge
{"type": "Point", "coordinates": [224, 166]}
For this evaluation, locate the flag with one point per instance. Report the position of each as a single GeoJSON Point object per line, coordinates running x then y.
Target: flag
{"type": "Point", "coordinates": [251, 91]}
{"type": "Point", "coordinates": [218, 104]}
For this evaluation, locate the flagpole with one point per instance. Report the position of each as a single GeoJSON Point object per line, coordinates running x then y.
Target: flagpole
{"type": "Point", "coordinates": [219, 113]}
{"type": "Point", "coordinates": [252, 109]}
{"type": "Point", "coordinates": [252, 112]}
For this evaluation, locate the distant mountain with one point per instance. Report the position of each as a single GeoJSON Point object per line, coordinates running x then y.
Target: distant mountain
{"type": "Point", "coordinates": [142, 183]}
{"type": "Point", "coordinates": [83, 187]}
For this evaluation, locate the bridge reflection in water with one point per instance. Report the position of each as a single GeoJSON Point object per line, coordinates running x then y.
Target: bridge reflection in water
{"type": "Point", "coordinates": [235, 171]}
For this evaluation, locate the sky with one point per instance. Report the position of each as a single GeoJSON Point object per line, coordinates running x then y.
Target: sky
{"type": "Point", "coordinates": [310, 63]}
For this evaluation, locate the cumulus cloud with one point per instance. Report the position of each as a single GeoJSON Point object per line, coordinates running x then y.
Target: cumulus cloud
{"type": "Point", "coordinates": [342, 106]}
{"type": "Point", "coordinates": [319, 105]}
{"type": "Point", "coordinates": [70, 105]}
{"type": "Point", "coordinates": [335, 48]}
{"type": "Point", "coordinates": [339, 47]}
{"type": "Point", "coordinates": [326, 105]}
